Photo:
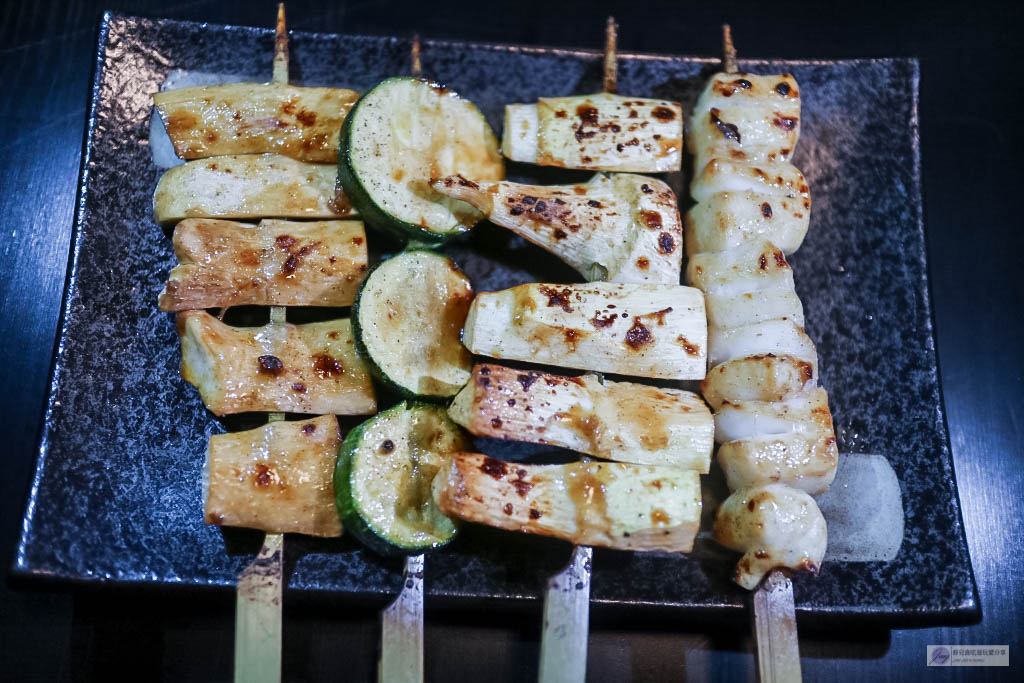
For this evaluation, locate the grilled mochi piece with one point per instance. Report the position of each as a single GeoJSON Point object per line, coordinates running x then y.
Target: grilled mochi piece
{"type": "Point", "coordinates": [774, 180]}
{"type": "Point", "coordinates": [280, 367]}
{"type": "Point", "coordinates": [601, 132]}
{"type": "Point", "coordinates": [773, 526]}
{"type": "Point", "coordinates": [277, 478]}
{"type": "Point", "coordinates": [621, 421]}
{"type": "Point", "coordinates": [248, 186]}
{"type": "Point", "coordinates": [807, 461]}
{"type": "Point", "coordinates": [805, 413]}
{"type": "Point", "coordinates": [745, 116]}
{"type": "Point", "coordinates": [760, 377]}
{"type": "Point", "coordinates": [253, 118]}
{"type": "Point", "coordinates": [613, 505]}
{"type": "Point", "coordinates": [274, 263]}
{"type": "Point", "coordinates": [624, 228]}
{"type": "Point", "coordinates": [791, 441]}
{"type": "Point", "coordinates": [777, 337]}
{"type": "Point", "coordinates": [639, 330]}
{"type": "Point", "coordinates": [746, 285]}
{"type": "Point", "coordinates": [725, 220]}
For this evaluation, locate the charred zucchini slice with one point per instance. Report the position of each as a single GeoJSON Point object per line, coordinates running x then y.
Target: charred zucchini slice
{"type": "Point", "coordinates": [408, 317]}
{"type": "Point", "coordinates": [383, 478]}
{"type": "Point", "coordinates": [402, 134]}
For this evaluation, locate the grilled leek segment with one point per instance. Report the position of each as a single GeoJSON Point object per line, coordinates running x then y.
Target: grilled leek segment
{"type": "Point", "coordinates": [624, 228]}
{"type": "Point", "coordinates": [277, 478]}
{"type": "Point", "coordinates": [745, 116]}
{"type": "Point", "coordinates": [639, 330]}
{"type": "Point", "coordinates": [773, 526]}
{"type": "Point", "coordinates": [249, 186]}
{"type": "Point", "coordinates": [383, 479]}
{"type": "Point", "coordinates": [621, 421]}
{"type": "Point", "coordinates": [407, 320]}
{"type": "Point", "coordinates": [613, 505]}
{"type": "Point", "coordinates": [401, 135]}
{"type": "Point", "coordinates": [274, 263]}
{"type": "Point", "coordinates": [280, 367]}
{"type": "Point", "coordinates": [253, 118]}
{"type": "Point", "coordinates": [602, 132]}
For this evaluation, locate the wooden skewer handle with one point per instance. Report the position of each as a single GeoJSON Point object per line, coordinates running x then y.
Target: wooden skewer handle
{"type": "Point", "coordinates": [258, 615]}
{"type": "Point", "coordinates": [778, 650]}
{"type": "Point", "coordinates": [401, 652]}
{"type": "Point", "coordinates": [563, 643]}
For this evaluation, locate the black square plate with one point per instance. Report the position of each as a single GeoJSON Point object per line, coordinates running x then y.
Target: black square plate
{"type": "Point", "coordinates": [116, 495]}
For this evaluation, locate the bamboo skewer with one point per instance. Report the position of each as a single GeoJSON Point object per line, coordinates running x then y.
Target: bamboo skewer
{"type": "Point", "coordinates": [260, 590]}
{"type": "Point", "coordinates": [280, 47]}
{"type": "Point", "coordinates": [611, 37]}
{"type": "Point", "coordinates": [778, 650]}
{"type": "Point", "coordinates": [566, 626]}
{"type": "Point", "coordinates": [728, 51]}
{"type": "Point", "coordinates": [401, 651]}
{"type": "Point", "coordinates": [417, 65]}
{"type": "Point", "coordinates": [774, 613]}
{"type": "Point", "coordinates": [401, 645]}
{"type": "Point", "coordinates": [563, 642]}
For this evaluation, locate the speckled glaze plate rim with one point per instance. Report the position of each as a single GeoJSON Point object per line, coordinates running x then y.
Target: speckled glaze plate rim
{"type": "Point", "coordinates": [967, 610]}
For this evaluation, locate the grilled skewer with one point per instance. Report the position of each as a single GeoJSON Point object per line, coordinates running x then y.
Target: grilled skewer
{"type": "Point", "coordinates": [258, 612]}
{"type": "Point", "coordinates": [772, 422]}
{"type": "Point", "coordinates": [401, 638]}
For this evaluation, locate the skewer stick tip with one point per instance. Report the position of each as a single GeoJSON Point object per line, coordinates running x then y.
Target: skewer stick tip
{"type": "Point", "coordinates": [610, 47]}
{"type": "Point", "coordinates": [728, 50]}
{"type": "Point", "coordinates": [417, 65]}
{"type": "Point", "coordinates": [280, 47]}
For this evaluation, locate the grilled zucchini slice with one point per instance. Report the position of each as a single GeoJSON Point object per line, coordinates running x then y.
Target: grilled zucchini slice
{"type": "Point", "coordinates": [383, 478]}
{"type": "Point", "coordinates": [408, 316]}
{"type": "Point", "coordinates": [402, 134]}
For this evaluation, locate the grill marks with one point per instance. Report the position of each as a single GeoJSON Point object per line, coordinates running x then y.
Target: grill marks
{"type": "Point", "coordinates": [666, 243]}
{"type": "Point", "coordinates": [558, 298]}
{"type": "Point", "coordinates": [270, 365]}
{"type": "Point", "coordinates": [639, 335]}
{"type": "Point", "coordinates": [729, 130]}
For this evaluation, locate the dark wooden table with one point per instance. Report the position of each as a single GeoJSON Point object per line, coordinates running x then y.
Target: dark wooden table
{"type": "Point", "coordinates": [971, 136]}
